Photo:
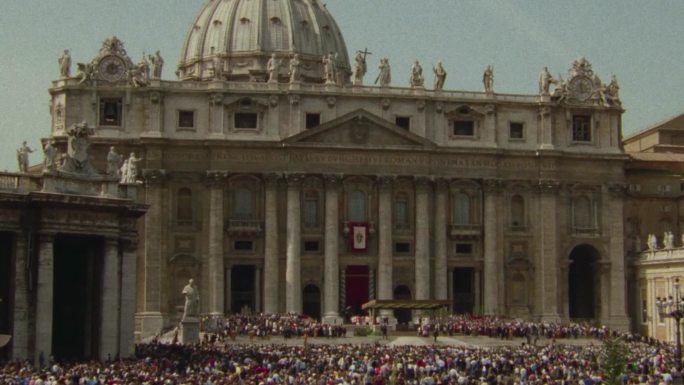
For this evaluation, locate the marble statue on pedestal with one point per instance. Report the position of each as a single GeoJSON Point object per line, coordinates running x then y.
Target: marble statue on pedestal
{"type": "Point", "coordinates": [416, 79]}
{"type": "Point", "coordinates": [85, 72]}
{"type": "Point", "coordinates": [113, 162]}
{"type": "Point", "coordinates": [329, 69]}
{"type": "Point", "coordinates": [50, 153]}
{"type": "Point", "coordinates": [488, 79]}
{"type": "Point", "coordinates": [77, 160]}
{"type": "Point", "coordinates": [652, 242]}
{"type": "Point", "coordinates": [440, 76]}
{"type": "Point", "coordinates": [545, 81]}
{"type": "Point", "coordinates": [23, 156]}
{"type": "Point", "coordinates": [192, 297]}
{"type": "Point", "coordinates": [668, 240]}
{"type": "Point", "coordinates": [65, 64]}
{"type": "Point", "coordinates": [157, 65]}
{"type": "Point", "coordinates": [385, 76]}
{"type": "Point", "coordinates": [360, 67]}
{"type": "Point", "coordinates": [129, 170]}
{"type": "Point", "coordinates": [295, 69]}
{"type": "Point", "coordinates": [272, 68]}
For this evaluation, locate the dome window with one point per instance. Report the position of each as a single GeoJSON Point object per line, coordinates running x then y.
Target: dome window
{"type": "Point", "coordinates": [275, 20]}
{"type": "Point", "coordinates": [245, 20]}
{"type": "Point", "coordinates": [217, 23]}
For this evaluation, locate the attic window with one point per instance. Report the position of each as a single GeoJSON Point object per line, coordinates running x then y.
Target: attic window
{"type": "Point", "coordinates": [305, 23]}
{"type": "Point", "coordinates": [246, 103]}
{"type": "Point", "coordinates": [464, 110]}
{"type": "Point", "coordinates": [464, 128]}
{"type": "Point", "coordinates": [246, 120]}
{"type": "Point", "coordinates": [245, 20]}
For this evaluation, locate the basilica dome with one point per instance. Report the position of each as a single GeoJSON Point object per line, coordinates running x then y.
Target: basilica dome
{"type": "Point", "coordinates": [235, 39]}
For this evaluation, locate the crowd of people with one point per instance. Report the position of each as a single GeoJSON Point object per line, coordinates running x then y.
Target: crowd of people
{"type": "Point", "coordinates": [239, 363]}
{"type": "Point", "coordinates": [269, 325]}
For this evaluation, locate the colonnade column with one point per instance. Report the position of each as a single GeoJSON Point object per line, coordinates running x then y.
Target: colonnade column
{"type": "Point", "coordinates": [442, 281]}
{"type": "Point", "coordinates": [20, 334]}
{"type": "Point", "coordinates": [44, 297]}
{"type": "Point", "coordinates": [293, 274]}
{"type": "Point", "coordinates": [548, 253]}
{"type": "Point", "coordinates": [109, 324]}
{"type": "Point", "coordinates": [422, 239]}
{"type": "Point", "coordinates": [151, 321]}
{"type": "Point", "coordinates": [332, 268]}
{"type": "Point", "coordinates": [216, 240]}
{"type": "Point", "coordinates": [492, 261]}
{"type": "Point", "coordinates": [257, 289]}
{"type": "Point", "coordinates": [384, 286]}
{"type": "Point", "coordinates": [128, 282]}
{"type": "Point", "coordinates": [614, 198]}
{"type": "Point", "coordinates": [271, 260]}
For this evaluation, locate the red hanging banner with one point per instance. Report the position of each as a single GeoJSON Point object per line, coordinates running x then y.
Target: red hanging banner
{"type": "Point", "coordinates": [358, 236]}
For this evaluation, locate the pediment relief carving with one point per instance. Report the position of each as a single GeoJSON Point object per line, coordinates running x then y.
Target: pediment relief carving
{"type": "Point", "coordinates": [360, 128]}
{"type": "Point", "coordinates": [465, 111]}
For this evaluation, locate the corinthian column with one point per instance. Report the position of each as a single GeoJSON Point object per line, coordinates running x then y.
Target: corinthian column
{"type": "Point", "coordinates": [216, 181]}
{"type": "Point", "coordinates": [548, 253]}
{"type": "Point", "coordinates": [44, 297]}
{"type": "Point", "coordinates": [293, 274]}
{"type": "Point", "coordinates": [109, 325]}
{"type": "Point", "coordinates": [384, 286]}
{"type": "Point", "coordinates": [441, 272]}
{"type": "Point", "coordinates": [493, 264]}
{"type": "Point", "coordinates": [332, 233]}
{"type": "Point", "coordinates": [422, 239]}
{"type": "Point", "coordinates": [271, 265]}
{"type": "Point", "coordinates": [613, 220]}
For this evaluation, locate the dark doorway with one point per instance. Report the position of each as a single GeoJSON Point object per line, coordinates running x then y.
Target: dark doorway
{"type": "Point", "coordinates": [357, 285]}
{"type": "Point", "coordinates": [242, 288]}
{"type": "Point", "coordinates": [464, 290]}
{"type": "Point", "coordinates": [582, 282]}
{"type": "Point", "coordinates": [77, 305]}
{"type": "Point", "coordinates": [312, 301]}
{"type": "Point", "coordinates": [403, 316]}
{"type": "Point", "coordinates": [7, 264]}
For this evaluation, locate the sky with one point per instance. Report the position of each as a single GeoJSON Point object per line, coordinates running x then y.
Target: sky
{"type": "Point", "coordinates": [640, 42]}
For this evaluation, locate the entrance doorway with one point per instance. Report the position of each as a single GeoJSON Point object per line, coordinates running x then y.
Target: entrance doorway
{"type": "Point", "coordinates": [6, 289]}
{"type": "Point", "coordinates": [583, 282]}
{"type": "Point", "coordinates": [242, 288]}
{"type": "Point", "coordinates": [357, 285]}
{"type": "Point", "coordinates": [312, 301]}
{"type": "Point", "coordinates": [464, 290]}
{"type": "Point", "coordinates": [403, 316]}
{"type": "Point", "coordinates": [77, 292]}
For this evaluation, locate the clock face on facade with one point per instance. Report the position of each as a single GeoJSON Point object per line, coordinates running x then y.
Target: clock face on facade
{"type": "Point", "coordinates": [111, 68]}
{"type": "Point", "coordinates": [582, 87]}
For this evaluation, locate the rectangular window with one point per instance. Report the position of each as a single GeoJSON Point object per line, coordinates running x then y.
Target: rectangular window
{"type": "Point", "coordinates": [581, 128]}
{"type": "Point", "coordinates": [401, 219]}
{"type": "Point", "coordinates": [110, 112]}
{"type": "Point", "coordinates": [311, 246]}
{"type": "Point", "coordinates": [403, 122]}
{"type": "Point", "coordinates": [186, 119]}
{"type": "Point", "coordinates": [516, 131]}
{"type": "Point", "coordinates": [313, 120]}
{"type": "Point", "coordinates": [246, 120]}
{"type": "Point", "coordinates": [243, 246]}
{"type": "Point", "coordinates": [464, 248]}
{"type": "Point", "coordinates": [402, 247]}
{"type": "Point", "coordinates": [464, 128]}
{"type": "Point", "coordinates": [311, 213]}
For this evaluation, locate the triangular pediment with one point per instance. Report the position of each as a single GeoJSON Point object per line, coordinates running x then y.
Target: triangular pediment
{"type": "Point", "coordinates": [360, 128]}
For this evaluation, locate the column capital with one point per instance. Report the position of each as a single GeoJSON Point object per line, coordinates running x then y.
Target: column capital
{"type": "Point", "coordinates": [294, 180]}
{"type": "Point", "coordinates": [272, 179]}
{"type": "Point", "coordinates": [544, 111]}
{"type": "Point", "coordinates": [154, 176]}
{"type": "Point", "coordinates": [441, 183]}
{"type": "Point", "coordinates": [385, 181]}
{"type": "Point", "coordinates": [111, 240]}
{"type": "Point", "coordinates": [46, 237]}
{"type": "Point", "coordinates": [216, 178]}
{"type": "Point", "coordinates": [422, 182]}
{"type": "Point", "coordinates": [548, 186]}
{"type": "Point", "coordinates": [616, 190]}
{"type": "Point", "coordinates": [332, 180]}
{"type": "Point", "coordinates": [492, 186]}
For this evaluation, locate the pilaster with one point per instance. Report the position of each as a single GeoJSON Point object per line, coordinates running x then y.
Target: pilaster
{"type": "Point", "coordinates": [128, 293]}
{"type": "Point", "coordinates": [20, 332]}
{"type": "Point", "coordinates": [109, 325]}
{"type": "Point", "coordinates": [44, 297]}
{"type": "Point", "coordinates": [271, 257]}
{"type": "Point", "coordinates": [385, 268]}
{"type": "Point", "coordinates": [613, 211]}
{"type": "Point", "coordinates": [441, 281]}
{"type": "Point", "coordinates": [493, 265]}
{"type": "Point", "coordinates": [547, 280]}
{"type": "Point", "coordinates": [546, 124]}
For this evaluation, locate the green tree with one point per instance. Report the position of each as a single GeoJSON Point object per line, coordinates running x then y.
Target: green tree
{"type": "Point", "coordinates": [613, 360]}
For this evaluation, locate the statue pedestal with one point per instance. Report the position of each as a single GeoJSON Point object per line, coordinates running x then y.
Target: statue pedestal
{"type": "Point", "coordinates": [189, 331]}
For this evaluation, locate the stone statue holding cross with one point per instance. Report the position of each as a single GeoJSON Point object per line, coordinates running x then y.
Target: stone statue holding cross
{"type": "Point", "coordinates": [360, 67]}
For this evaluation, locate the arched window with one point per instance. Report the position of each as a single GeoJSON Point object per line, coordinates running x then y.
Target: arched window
{"type": "Point", "coordinates": [401, 211]}
{"type": "Point", "coordinates": [356, 208]}
{"type": "Point", "coordinates": [311, 210]}
{"type": "Point", "coordinates": [583, 217]}
{"type": "Point", "coordinates": [461, 209]}
{"type": "Point", "coordinates": [243, 204]}
{"type": "Point", "coordinates": [517, 211]}
{"type": "Point", "coordinates": [184, 214]}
